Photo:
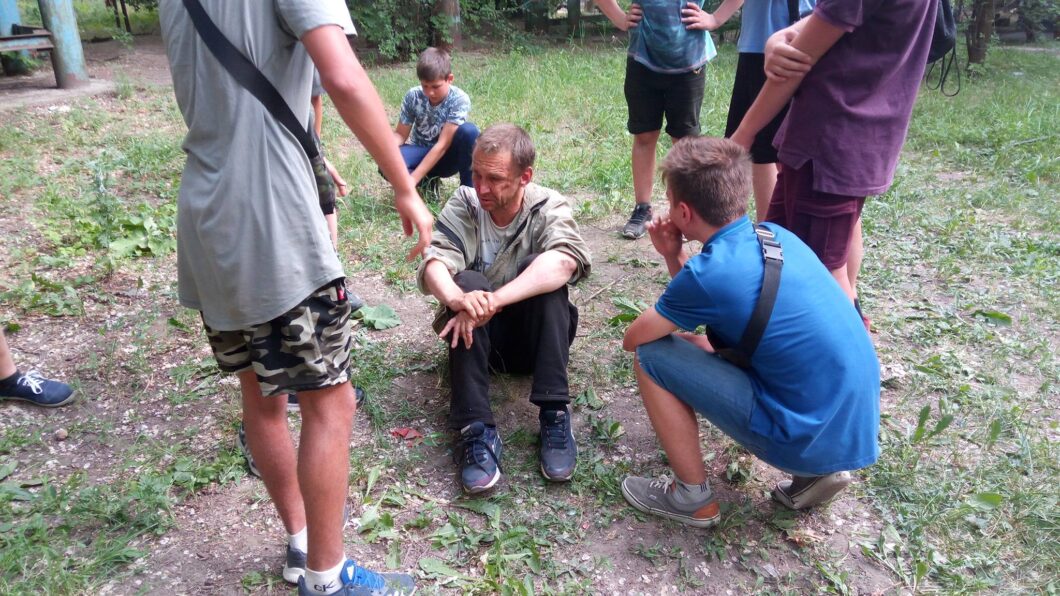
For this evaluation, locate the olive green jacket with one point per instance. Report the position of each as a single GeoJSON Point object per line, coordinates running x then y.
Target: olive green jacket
{"type": "Point", "coordinates": [545, 222]}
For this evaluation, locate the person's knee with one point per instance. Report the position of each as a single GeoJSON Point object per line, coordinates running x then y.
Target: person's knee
{"type": "Point", "coordinates": [644, 139]}
{"type": "Point", "coordinates": [470, 281]}
{"type": "Point", "coordinates": [467, 133]}
{"type": "Point", "coordinates": [328, 406]}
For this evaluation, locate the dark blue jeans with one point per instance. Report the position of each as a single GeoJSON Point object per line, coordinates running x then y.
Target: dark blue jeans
{"type": "Point", "coordinates": [456, 159]}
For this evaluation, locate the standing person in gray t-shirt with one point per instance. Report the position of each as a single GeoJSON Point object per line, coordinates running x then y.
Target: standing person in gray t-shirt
{"type": "Point", "coordinates": [254, 255]}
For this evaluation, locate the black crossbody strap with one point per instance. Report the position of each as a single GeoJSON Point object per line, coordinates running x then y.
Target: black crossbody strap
{"type": "Point", "coordinates": [248, 75]}
{"type": "Point", "coordinates": [773, 261]}
{"type": "Point", "coordinates": [793, 11]}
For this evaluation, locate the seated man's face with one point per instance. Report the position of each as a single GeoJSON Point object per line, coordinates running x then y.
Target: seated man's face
{"type": "Point", "coordinates": [496, 180]}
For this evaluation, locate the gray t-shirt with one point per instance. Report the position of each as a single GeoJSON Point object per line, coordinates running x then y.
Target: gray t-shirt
{"type": "Point", "coordinates": [251, 240]}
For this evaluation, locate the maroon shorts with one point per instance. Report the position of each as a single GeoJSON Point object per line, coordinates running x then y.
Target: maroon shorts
{"type": "Point", "coordinates": [822, 220]}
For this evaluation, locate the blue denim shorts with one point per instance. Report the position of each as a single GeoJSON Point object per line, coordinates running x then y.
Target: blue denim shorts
{"type": "Point", "coordinates": [720, 391]}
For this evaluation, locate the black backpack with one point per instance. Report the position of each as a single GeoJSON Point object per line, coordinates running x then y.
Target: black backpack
{"type": "Point", "coordinates": [943, 51]}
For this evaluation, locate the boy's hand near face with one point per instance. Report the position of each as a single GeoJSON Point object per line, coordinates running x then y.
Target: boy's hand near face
{"type": "Point", "coordinates": [665, 237]}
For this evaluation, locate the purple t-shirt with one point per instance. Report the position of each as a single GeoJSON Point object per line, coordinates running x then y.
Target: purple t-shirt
{"type": "Point", "coordinates": [851, 113]}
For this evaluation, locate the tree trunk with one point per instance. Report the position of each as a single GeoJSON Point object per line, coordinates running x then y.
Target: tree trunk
{"type": "Point", "coordinates": [450, 37]}
{"type": "Point", "coordinates": [980, 31]}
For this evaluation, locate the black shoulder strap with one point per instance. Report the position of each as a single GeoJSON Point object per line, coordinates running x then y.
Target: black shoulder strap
{"type": "Point", "coordinates": [773, 261]}
{"type": "Point", "coordinates": [248, 75]}
{"type": "Point", "coordinates": [793, 11]}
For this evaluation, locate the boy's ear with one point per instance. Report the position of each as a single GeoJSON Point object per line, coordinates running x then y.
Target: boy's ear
{"type": "Point", "coordinates": [449, 79]}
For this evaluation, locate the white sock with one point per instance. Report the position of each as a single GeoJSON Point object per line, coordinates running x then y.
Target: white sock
{"type": "Point", "coordinates": [325, 582]}
{"type": "Point", "coordinates": [299, 541]}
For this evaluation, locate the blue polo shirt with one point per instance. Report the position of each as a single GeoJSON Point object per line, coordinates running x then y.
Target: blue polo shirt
{"type": "Point", "coordinates": [815, 373]}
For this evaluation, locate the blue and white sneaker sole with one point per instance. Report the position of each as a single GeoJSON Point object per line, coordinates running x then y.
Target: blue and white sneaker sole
{"type": "Point", "coordinates": [474, 490]}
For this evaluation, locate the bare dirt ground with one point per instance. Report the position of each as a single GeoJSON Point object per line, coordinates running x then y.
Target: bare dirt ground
{"type": "Point", "coordinates": [224, 533]}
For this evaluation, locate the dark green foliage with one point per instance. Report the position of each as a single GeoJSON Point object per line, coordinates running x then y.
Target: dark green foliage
{"type": "Point", "coordinates": [401, 29]}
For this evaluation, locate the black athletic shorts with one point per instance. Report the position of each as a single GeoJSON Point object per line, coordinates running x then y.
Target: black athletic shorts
{"type": "Point", "coordinates": [750, 77]}
{"type": "Point", "coordinates": [650, 95]}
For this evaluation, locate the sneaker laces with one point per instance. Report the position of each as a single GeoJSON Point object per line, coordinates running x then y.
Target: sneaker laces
{"type": "Point", "coordinates": [641, 213]}
{"type": "Point", "coordinates": [359, 576]}
{"type": "Point", "coordinates": [556, 433]}
{"type": "Point", "coordinates": [664, 482]}
{"type": "Point", "coordinates": [34, 381]}
{"type": "Point", "coordinates": [476, 446]}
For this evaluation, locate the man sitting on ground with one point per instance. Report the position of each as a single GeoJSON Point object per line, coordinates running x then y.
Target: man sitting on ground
{"type": "Point", "coordinates": [500, 260]}
{"type": "Point", "coordinates": [809, 402]}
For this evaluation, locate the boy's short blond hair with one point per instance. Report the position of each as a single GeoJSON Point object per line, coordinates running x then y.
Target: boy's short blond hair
{"type": "Point", "coordinates": [433, 64]}
{"type": "Point", "coordinates": [711, 175]}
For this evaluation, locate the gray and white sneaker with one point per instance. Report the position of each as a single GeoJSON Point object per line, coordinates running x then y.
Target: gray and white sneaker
{"type": "Point", "coordinates": [638, 221]}
{"type": "Point", "coordinates": [657, 498]}
{"type": "Point", "coordinates": [294, 566]}
{"type": "Point", "coordinates": [803, 492]}
{"type": "Point", "coordinates": [241, 442]}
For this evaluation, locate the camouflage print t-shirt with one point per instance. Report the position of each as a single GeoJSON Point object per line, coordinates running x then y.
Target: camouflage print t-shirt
{"type": "Point", "coordinates": [427, 120]}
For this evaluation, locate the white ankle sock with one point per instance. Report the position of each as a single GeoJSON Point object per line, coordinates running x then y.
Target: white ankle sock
{"type": "Point", "coordinates": [325, 582]}
{"type": "Point", "coordinates": [299, 541]}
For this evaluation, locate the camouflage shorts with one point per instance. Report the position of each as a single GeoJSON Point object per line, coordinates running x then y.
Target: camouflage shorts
{"type": "Point", "coordinates": [306, 348]}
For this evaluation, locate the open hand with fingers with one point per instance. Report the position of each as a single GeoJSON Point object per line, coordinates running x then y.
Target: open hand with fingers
{"type": "Point", "coordinates": [461, 326]}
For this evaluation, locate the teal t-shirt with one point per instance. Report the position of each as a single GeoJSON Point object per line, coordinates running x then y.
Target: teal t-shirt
{"type": "Point", "coordinates": [661, 42]}
{"type": "Point", "coordinates": [815, 373]}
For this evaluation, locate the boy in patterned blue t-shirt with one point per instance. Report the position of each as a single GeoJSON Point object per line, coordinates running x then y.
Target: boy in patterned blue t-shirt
{"type": "Point", "coordinates": [434, 122]}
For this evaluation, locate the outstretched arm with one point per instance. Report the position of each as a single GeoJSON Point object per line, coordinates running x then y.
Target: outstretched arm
{"type": "Point", "coordinates": [358, 102]}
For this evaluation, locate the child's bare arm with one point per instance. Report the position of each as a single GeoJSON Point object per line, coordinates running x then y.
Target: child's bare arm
{"type": "Point", "coordinates": [360, 106]}
{"type": "Point", "coordinates": [401, 132]}
{"type": "Point", "coordinates": [621, 19]}
{"type": "Point", "coordinates": [695, 17]}
{"type": "Point", "coordinates": [813, 38]}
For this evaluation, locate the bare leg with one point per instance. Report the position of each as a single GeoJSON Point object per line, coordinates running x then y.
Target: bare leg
{"type": "Point", "coordinates": [644, 165]}
{"type": "Point", "coordinates": [843, 279]}
{"type": "Point", "coordinates": [324, 469]}
{"type": "Point", "coordinates": [7, 363]}
{"type": "Point", "coordinates": [764, 180]}
{"type": "Point", "coordinates": [854, 257]}
{"type": "Point", "coordinates": [265, 421]}
{"type": "Point", "coordinates": [676, 426]}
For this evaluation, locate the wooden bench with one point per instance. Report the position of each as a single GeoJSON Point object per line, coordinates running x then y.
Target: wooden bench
{"type": "Point", "coordinates": [26, 38]}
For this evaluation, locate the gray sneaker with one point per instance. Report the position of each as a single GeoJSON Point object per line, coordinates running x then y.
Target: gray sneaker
{"type": "Point", "coordinates": [638, 221]}
{"type": "Point", "coordinates": [294, 566]}
{"type": "Point", "coordinates": [241, 443]}
{"type": "Point", "coordinates": [657, 498]}
{"type": "Point", "coordinates": [803, 492]}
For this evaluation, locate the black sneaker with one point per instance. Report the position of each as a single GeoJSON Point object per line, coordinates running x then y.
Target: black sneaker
{"type": "Point", "coordinates": [559, 453]}
{"type": "Point", "coordinates": [480, 458]}
{"type": "Point", "coordinates": [638, 221]}
{"type": "Point", "coordinates": [37, 390]}
{"type": "Point", "coordinates": [292, 399]}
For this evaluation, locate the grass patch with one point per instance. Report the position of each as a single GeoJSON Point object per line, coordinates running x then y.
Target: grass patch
{"type": "Point", "coordinates": [960, 279]}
